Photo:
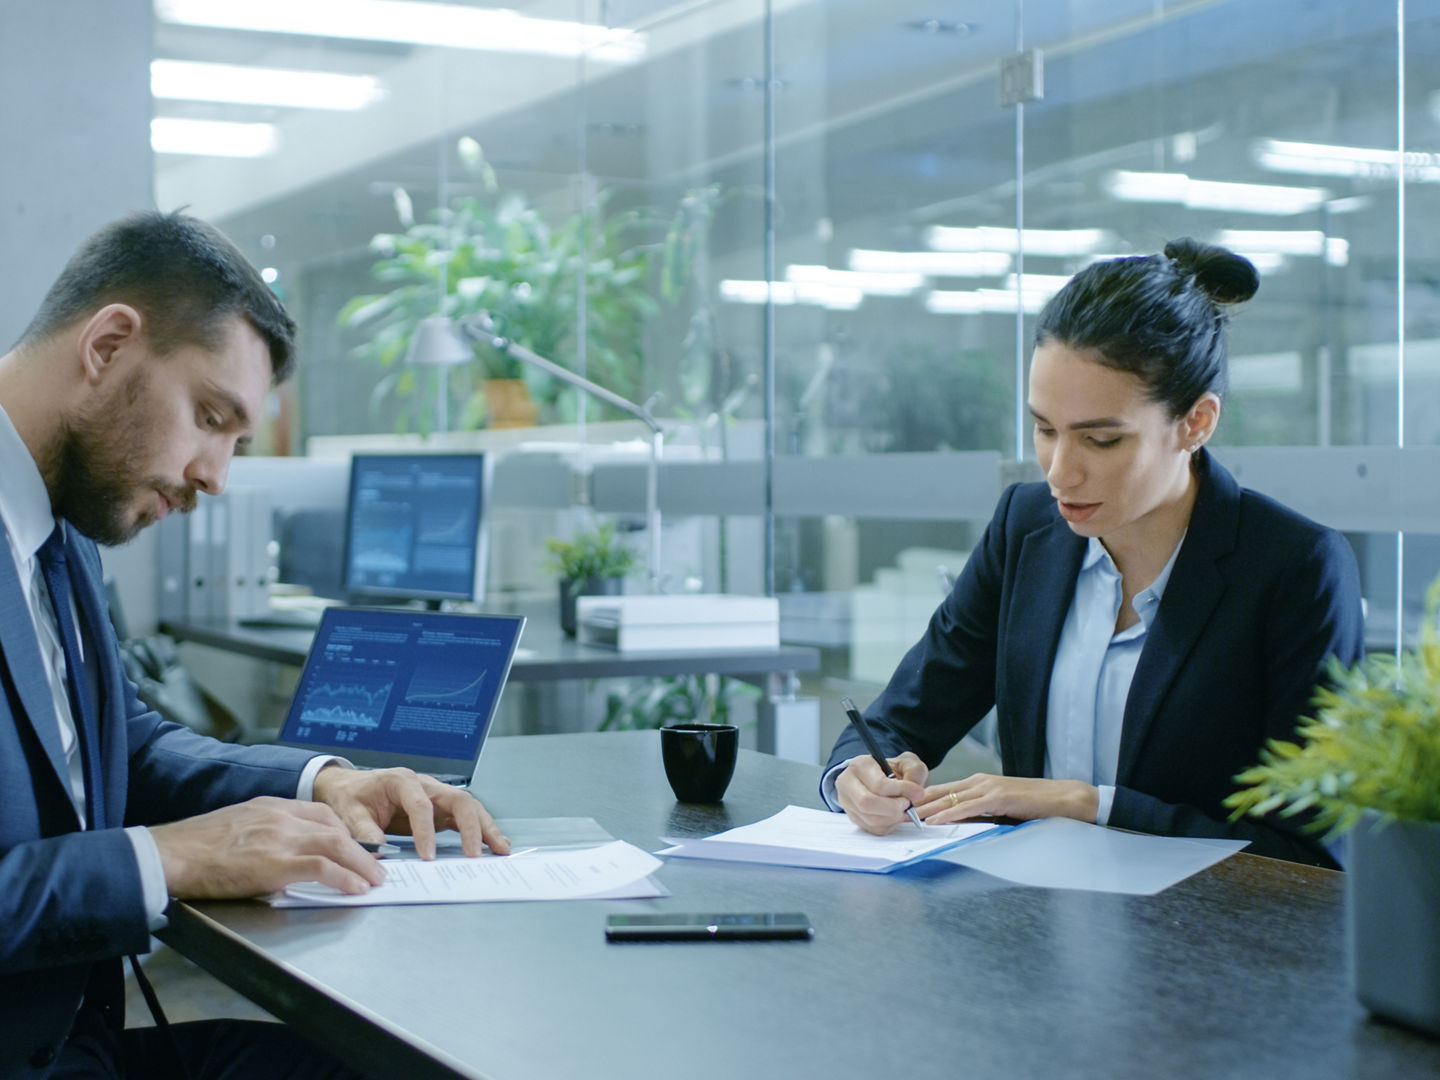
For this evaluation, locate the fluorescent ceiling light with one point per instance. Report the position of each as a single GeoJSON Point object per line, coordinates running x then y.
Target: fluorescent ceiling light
{"type": "Point", "coordinates": [1049, 284]}
{"type": "Point", "coordinates": [411, 22]}
{"type": "Point", "coordinates": [1265, 262]}
{"type": "Point", "coordinates": [185, 80]}
{"type": "Point", "coordinates": [1213, 194]}
{"type": "Point", "coordinates": [786, 293]}
{"type": "Point", "coordinates": [215, 138]}
{"type": "Point", "coordinates": [1056, 242]}
{"type": "Point", "coordinates": [1355, 162]}
{"type": "Point", "coordinates": [999, 301]}
{"type": "Point", "coordinates": [931, 263]}
{"type": "Point", "coordinates": [881, 284]}
{"type": "Point", "coordinates": [1313, 242]}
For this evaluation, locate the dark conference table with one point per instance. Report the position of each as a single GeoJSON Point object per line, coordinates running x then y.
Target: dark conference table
{"type": "Point", "coordinates": [934, 971]}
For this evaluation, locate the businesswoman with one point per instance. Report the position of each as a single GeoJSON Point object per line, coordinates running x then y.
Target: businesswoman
{"type": "Point", "coordinates": [1141, 623]}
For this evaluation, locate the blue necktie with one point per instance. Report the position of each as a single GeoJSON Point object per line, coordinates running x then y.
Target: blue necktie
{"type": "Point", "coordinates": [82, 711]}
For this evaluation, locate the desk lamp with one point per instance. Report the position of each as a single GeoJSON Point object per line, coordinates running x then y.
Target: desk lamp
{"type": "Point", "coordinates": [443, 337]}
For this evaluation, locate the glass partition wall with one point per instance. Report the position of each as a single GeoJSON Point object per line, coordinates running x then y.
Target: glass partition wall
{"type": "Point", "coordinates": [820, 231]}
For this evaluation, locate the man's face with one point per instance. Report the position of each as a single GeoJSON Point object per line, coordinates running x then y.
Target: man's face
{"type": "Point", "coordinates": [164, 431]}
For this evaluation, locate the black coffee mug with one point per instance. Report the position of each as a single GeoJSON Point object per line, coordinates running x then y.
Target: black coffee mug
{"type": "Point", "coordinates": [699, 759]}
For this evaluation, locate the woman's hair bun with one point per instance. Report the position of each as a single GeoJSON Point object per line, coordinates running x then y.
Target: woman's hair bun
{"type": "Point", "coordinates": [1226, 277]}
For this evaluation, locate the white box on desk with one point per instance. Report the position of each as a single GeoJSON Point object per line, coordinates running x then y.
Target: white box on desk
{"type": "Point", "coordinates": [679, 623]}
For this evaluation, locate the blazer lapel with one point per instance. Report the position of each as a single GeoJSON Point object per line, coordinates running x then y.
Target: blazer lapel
{"type": "Point", "coordinates": [1195, 587]}
{"type": "Point", "coordinates": [1044, 589]}
{"type": "Point", "coordinates": [27, 670]}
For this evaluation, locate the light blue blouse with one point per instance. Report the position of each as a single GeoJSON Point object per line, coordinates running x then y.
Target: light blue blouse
{"type": "Point", "coordinates": [1094, 667]}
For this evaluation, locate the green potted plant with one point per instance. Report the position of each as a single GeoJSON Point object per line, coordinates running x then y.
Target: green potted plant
{"type": "Point", "coordinates": [1368, 765]}
{"type": "Point", "coordinates": [593, 563]}
{"type": "Point", "coordinates": [497, 253]}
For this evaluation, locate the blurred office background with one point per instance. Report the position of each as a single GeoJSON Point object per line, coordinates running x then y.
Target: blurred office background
{"type": "Point", "coordinates": [819, 228]}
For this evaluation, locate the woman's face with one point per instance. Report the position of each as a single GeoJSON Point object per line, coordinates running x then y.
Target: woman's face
{"type": "Point", "coordinates": [1113, 457]}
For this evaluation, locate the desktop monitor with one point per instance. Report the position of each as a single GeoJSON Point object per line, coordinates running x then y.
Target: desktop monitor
{"type": "Point", "coordinates": [415, 527]}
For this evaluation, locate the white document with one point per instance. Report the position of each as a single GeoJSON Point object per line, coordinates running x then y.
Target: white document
{"type": "Point", "coordinates": [616, 870]}
{"type": "Point", "coordinates": [820, 839]}
{"type": "Point", "coordinates": [1060, 853]}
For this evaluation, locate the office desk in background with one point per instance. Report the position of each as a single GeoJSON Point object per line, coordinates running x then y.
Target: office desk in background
{"type": "Point", "coordinates": [786, 724]}
{"type": "Point", "coordinates": [928, 973]}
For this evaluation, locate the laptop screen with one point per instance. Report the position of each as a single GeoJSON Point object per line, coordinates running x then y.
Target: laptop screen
{"type": "Point", "coordinates": [386, 687]}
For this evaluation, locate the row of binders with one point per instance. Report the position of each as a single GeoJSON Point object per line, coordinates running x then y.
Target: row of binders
{"type": "Point", "coordinates": [217, 562]}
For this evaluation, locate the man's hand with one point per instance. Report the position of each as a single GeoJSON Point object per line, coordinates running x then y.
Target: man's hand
{"type": "Point", "coordinates": [372, 802]}
{"type": "Point", "coordinates": [259, 847]}
{"type": "Point", "coordinates": [874, 801]}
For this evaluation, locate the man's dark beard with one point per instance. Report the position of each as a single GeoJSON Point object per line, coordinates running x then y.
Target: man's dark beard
{"type": "Point", "coordinates": [97, 477]}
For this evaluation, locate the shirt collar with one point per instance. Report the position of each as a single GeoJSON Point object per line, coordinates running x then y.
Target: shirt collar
{"type": "Point", "coordinates": [24, 500]}
{"type": "Point", "coordinates": [1097, 556]}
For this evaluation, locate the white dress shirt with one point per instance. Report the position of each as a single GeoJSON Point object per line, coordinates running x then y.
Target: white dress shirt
{"type": "Point", "coordinates": [28, 522]}
{"type": "Point", "coordinates": [1094, 667]}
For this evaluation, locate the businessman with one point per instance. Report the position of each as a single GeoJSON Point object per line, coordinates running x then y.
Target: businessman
{"type": "Point", "coordinates": [144, 370]}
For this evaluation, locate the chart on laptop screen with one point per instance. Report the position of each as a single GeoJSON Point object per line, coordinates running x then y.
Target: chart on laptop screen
{"type": "Point", "coordinates": [397, 682]}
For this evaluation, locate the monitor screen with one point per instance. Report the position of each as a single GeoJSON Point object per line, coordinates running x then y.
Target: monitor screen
{"type": "Point", "coordinates": [414, 526]}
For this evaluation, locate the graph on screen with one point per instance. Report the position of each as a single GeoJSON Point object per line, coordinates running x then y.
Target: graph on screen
{"type": "Point", "coordinates": [446, 686]}
{"type": "Point", "coordinates": [351, 703]}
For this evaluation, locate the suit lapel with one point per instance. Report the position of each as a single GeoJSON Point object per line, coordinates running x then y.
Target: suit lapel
{"type": "Point", "coordinates": [1044, 589]}
{"type": "Point", "coordinates": [22, 654]}
{"type": "Point", "coordinates": [1191, 596]}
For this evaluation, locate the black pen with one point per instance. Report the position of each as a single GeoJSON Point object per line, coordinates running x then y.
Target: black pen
{"type": "Point", "coordinates": [868, 738]}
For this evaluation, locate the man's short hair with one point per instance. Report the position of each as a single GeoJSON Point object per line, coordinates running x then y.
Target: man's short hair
{"type": "Point", "coordinates": [183, 275]}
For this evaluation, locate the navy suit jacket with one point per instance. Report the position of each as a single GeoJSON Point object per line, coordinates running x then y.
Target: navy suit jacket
{"type": "Point", "coordinates": [1258, 598]}
{"type": "Point", "coordinates": [71, 901]}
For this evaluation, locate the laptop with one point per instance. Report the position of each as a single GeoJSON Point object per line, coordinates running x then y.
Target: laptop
{"type": "Point", "coordinates": [388, 686]}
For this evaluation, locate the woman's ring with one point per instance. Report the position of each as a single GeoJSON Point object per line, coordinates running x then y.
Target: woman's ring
{"type": "Point", "coordinates": [954, 799]}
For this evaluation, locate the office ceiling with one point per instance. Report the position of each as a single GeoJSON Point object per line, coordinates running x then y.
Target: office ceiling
{"type": "Point", "coordinates": [887, 113]}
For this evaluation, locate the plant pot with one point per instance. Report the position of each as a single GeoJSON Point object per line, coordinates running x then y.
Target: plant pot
{"type": "Point", "coordinates": [1392, 896]}
{"type": "Point", "coordinates": [508, 404]}
{"type": "Point", "coordinates": [595, 586]}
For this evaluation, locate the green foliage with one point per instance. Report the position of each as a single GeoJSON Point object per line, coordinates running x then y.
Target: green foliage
{"type": "Point", "coordinates": [684, 699]}
{"type": "Point", "coordinates": [941, 399]}
{"type": "Point", "coordinates": [592, 553]}
{"type": "Point", "coordinates": [1374, 744]}
{"type": "Point", "coordinates": [499, 255]}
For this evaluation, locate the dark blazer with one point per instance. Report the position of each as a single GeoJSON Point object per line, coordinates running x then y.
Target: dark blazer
{"type": "Point", "coordinates": [70, 901]}
{"type": "Point", "coordinates": [1258, 598]}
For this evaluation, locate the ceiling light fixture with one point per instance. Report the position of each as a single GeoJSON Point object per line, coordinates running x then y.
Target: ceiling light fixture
{"type": "Point", "coordinates": [212, 138]}
{"type": "Point", "coordinates": [187, 80]}
{"type": "Point", "coordinates": [1049, 242]}
{"type": "Point", "coordinates": [1213, 194]}
{"type": "Point", "coordinates": [1313, 242]}
{"type": "Point", "coordinates": [873, 284]}
{"type": "Point", "coordinates": [411, 22]}
{"type": "Point", "coordinates": [931, 263]}
{"type": "Point", "coordinates": [1355, 162]}
{"type": "Point", "coordinates": [786, 293]}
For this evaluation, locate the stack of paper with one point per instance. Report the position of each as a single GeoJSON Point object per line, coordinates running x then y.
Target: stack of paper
{"type": "Point", "coordinates": [614, 871]}
{"type": "Point", "coordinates": [682, 622]}
{"type": "Point", "coordinates": [798, 836]}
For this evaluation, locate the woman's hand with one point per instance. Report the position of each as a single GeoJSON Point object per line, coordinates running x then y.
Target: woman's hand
{"type": "Point", "coordinates": [1021, 797]}
{"type": "Point", "coordinates": [873, 800]}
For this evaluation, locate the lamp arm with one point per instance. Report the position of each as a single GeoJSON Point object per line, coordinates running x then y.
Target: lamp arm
{"type": "Point", "coordinates": [479, 327]}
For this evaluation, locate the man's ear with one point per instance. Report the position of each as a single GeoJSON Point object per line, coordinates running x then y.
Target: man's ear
{"type": "Point", "coordinates": [109, 337]}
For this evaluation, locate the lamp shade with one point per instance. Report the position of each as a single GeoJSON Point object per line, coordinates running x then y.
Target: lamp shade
{"type": "Point", "coordinates": [436, 342]}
